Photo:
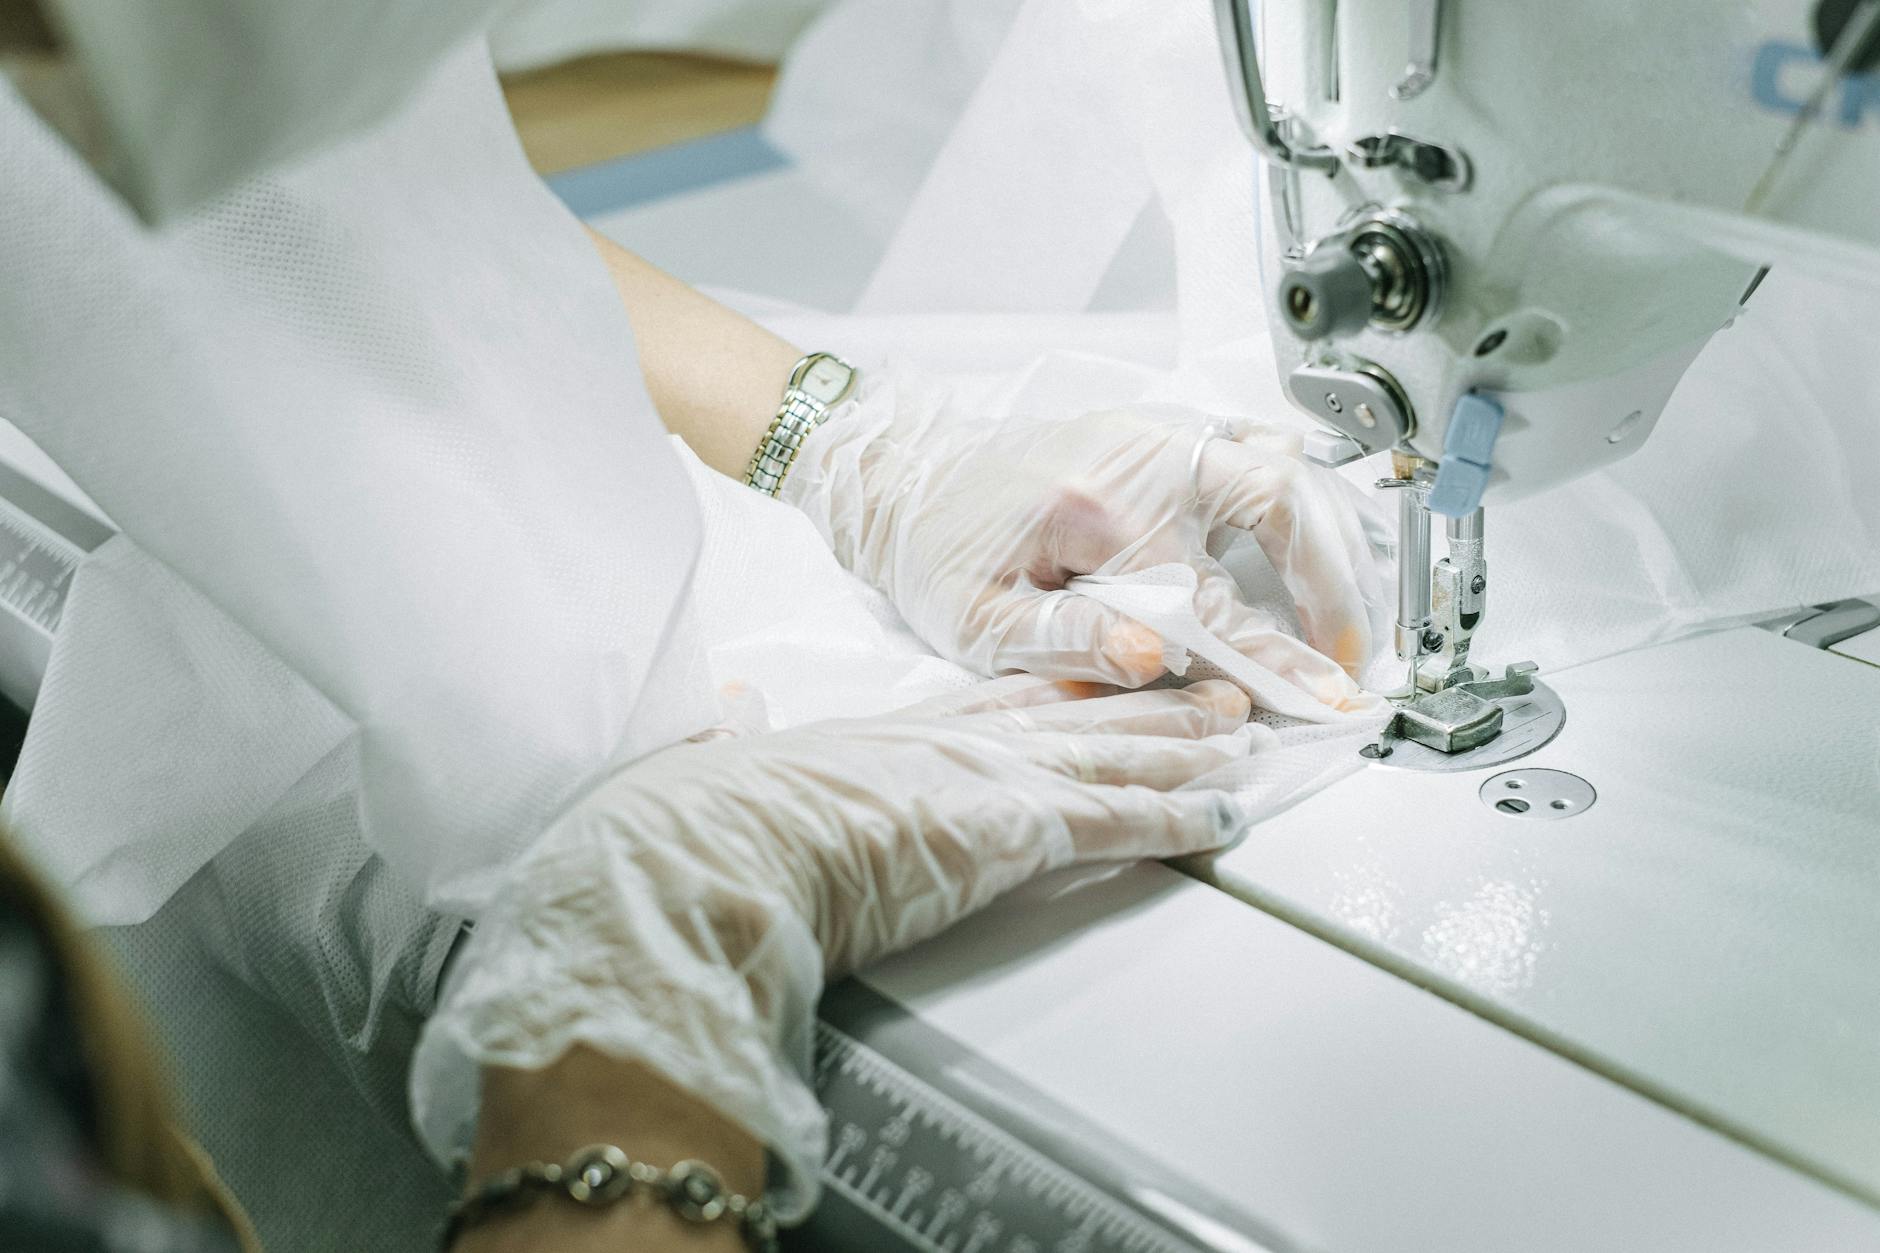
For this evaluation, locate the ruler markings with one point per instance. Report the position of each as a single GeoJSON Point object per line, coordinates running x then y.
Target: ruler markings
{"type": "Point", "coordinates": [36, 568]}
{"type": "Point", "coordinates": [901, 1142]}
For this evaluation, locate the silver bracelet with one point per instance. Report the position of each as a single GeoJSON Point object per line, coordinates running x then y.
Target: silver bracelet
{"type": "Point", "coordinates": [819, 383]}
{"type": "Point", "coordinates": [601, 1174]}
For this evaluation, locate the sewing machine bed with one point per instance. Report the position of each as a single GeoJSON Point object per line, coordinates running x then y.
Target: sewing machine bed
{"type": "Point", "coordinates": [1705, 931]}
{"type": "Point", "coordinates": [1651, 1025]}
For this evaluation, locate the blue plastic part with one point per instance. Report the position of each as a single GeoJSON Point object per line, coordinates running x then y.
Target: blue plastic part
{"type": "Point", "coordinates": [611, 186]}
{"type": "Point", "coordinates": [1473, 428]}
{"type": "Point", "coordinates": [1458, 489]}
{"type": "Point", "coordinates": [1468, 456]}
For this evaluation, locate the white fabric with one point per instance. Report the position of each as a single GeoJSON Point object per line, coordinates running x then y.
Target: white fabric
{"type": "Point", "coordinates": [381, 412]}
{"type": "Point", "coordinates": [148, 683]}
{"type": "Point", "coordinates": [916, 65]}
{"type": "Point", "coordinates": [1069, 186]}
{"type": "Point", "coordinates": [780, 619]}
{"type": "Point", "coordinates": [195, 96]}
{"type": "Point", "coordinates": [1163, 599]}
{"type": "Point", "coordinates": [542, 32]}
{"type": "Point", "coordinates": [288, 981]}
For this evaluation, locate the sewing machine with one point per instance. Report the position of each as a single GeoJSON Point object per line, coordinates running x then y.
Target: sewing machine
{"type": "Point", "coordinates": [1494, 243]}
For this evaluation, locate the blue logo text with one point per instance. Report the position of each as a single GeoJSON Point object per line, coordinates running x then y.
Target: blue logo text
{"type": "Point", "coordinates": [1784, 75]}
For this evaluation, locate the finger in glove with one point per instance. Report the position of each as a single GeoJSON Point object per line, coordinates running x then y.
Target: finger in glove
{"type": "Point", "coordinates": [1210, 707]}
{"type": "Point", "coordinates": [1280, 503]}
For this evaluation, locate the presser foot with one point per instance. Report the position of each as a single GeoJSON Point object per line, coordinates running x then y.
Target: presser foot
{"type": "Point", "coordinates": [1482, 722]}
{"type": "Point", "coordinates": [1439, 671]}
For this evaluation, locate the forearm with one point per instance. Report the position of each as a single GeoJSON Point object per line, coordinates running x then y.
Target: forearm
{"type": "Point", "coordinates": [588, 1098]}
{"type": "Point", "coordinates": [715, 376]}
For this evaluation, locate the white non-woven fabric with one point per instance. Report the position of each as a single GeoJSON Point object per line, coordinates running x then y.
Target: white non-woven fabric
{"type": "Point", "coordinates": [149, 684]}
{"type": "Point", "coordinates": [381, 412]}
{"type": "Point", "coordinates": [288, 981]}
{"type": "Point", "coordinates": [779, 619]}
{"type": "Point", "coordinates": [542, 32]}
{"type": "Point", "coordinates": [196, 96]}
{"type": "Point", "coordinates": [916, 65]}
{"type": "Point", "coordinates": [1163, 597]}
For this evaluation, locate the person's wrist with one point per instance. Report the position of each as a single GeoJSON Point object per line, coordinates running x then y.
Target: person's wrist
{"type": "Point", "coordinates": [587, 1097]}
{"type": "Point", "coordinates": [850, 465]}
{"type": "Point", "coordinates": [818, 386]}
{"type": "Point", "coordinates": [823, 453]}
{"type": "Point", "coordinates": [576, 1229]}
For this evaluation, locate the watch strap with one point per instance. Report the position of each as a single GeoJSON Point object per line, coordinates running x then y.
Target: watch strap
{"type": "Point", "coordinates": [798, 415]}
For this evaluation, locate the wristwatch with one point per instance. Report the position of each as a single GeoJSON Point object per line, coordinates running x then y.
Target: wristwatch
{"type": "Point", "coordinates": [819, 383]}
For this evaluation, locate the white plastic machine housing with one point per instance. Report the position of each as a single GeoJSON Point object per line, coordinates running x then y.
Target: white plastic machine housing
{"type": "Point", "coordinates": [1612, 220]}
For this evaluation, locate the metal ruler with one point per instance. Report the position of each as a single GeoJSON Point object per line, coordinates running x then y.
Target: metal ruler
{"type": "Point", "coordinates": [35, 570]}
{"type": "Point", "coordinates": [43, 538]}
{"type": "Point", "coordinates": [934, 1150]}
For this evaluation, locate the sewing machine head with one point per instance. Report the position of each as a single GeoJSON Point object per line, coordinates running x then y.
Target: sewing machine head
{"type": "Point", "coordinates": [1495, 236]}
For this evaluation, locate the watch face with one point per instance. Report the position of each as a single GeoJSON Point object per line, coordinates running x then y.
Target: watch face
{"type": "Point", "coordinates": [827, 379]}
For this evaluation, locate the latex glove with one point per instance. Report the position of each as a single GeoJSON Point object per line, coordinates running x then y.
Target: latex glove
{"type": "Point", "coordinates": [972, 529]}
{"type": "Point", "coordinates": [685, 913]}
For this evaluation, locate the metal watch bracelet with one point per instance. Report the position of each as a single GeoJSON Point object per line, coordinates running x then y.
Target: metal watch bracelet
{"type": "Point", "coordinates": [601, 1175]}
{"type": "Point", "coordinates": [802, 411]}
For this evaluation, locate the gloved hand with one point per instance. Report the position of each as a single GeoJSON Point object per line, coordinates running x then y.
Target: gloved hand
{"type": "Point", "coordinates": [685, 913]}
{"type": "Point", "coordinates": [972, 529]}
